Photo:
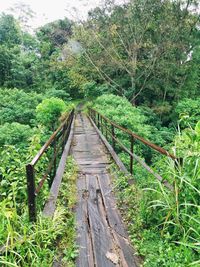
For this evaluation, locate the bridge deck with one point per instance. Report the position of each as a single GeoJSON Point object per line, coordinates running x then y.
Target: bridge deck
{"type": "Point", "coordinates": [102, 238]}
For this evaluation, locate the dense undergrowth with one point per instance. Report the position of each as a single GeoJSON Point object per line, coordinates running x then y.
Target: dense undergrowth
{"type": "Point", "coordinates": [67, 250]}
{"type": "Point", "coordinates": [163, 224]}
{"type": "Point", "coordinates": [25, 244]}
{"type": "Point", "coordinates": [160, 235]}
{"type": "Point", "coordinates": [139, 120]}
{"type": "Point", "coordinates": [47, 240]}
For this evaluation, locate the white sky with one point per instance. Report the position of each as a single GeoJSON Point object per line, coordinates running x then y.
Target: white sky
{"type": "Point", "coordinates": [50, 10]}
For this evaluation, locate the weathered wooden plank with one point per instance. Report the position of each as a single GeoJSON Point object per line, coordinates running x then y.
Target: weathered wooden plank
{"type": "Point", "coordinates": [119, 233]}
{"type": "Point", "coordinates": [127, 253]}
{"type": "Point", "coordinates": [100, 226]}
{"type": "Point", "coordinates": [91, 158]}
{"type": "Point", "coordinates": [92, 162]}
{"type": "Point", "coordinates": [101, 238]}
{"type": "Point", "coordinates": [111, 150]}
{"type": "Point", "coordinates": [85, 257]}
{"type": "Point", "coordinates": [83, 155]}
{"type": "Point", "coordinates": [114, 217]}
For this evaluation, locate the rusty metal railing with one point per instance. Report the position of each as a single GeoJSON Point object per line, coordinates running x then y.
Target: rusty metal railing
{"type": "Point", "coordinates": [108, 127]}
{"type": "Point", "coordinates": [56, 143]}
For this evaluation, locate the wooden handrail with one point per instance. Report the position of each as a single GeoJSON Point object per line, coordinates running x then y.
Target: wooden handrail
{"type": "Point", "coordinates": [47, 144]}
{"type": "Point", "coordinates": [98, 118]}
{"type": "Point", "coordinates": [144, 141]}
{"type": "Point", "coordinates": [61, 134]}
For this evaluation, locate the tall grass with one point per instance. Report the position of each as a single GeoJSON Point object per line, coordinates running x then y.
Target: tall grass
{"type": "Point", "coordinates": [165, 224]}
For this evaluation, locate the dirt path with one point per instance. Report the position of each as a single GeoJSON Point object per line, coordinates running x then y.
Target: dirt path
{"type": "Point", "coordinates": [102, 239]}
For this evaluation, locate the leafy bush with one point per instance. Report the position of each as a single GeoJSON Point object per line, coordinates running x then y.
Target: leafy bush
{"type": "Point", "coordinates": [163, 110]}
{"type": "Point", "coordinates": [160, 135]}
{"type": "Point", "coordinates": [15, 134]}
{"type": "Point", "coordinates": [89, 89]}
{"type": "Point", "coordinates": [12, 172]}
{"type": "Point", "coordinates": [18, 106]}
{"type": "Point", "coordinates": [58, 94]}
{"type": "Point", "coordinates": [188, 111]}
{"type": "Point", "coordinates": [121, 111]}
{"type": "Point", "coordinates": [49, 111]}
{"type": "Point", "coordinates": [12, 176]}
{"type": "Point", "coordinates": [92, 89]}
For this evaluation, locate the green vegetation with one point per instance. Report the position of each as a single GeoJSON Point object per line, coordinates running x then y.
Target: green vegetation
{"type": "Point", "coordinates": [14, 134]}
{"type": "Point", "coordinates": [18, 106]}
{"type": "Point", "coordinates": [34, 244]}
{"type": "Point", "coordinates": [163, 224]}
{"type": "Point", "coordinates": [67, 248]}
{"type": "Point", "coordinates": [49, 111]}
{"type": "Point", "coordinates": [189, 112]}
{"type": "Point", "coordinates": [157, 215]}
{"type": "Point", "coordinates": [141, 120]}
{"type": "Point", "coordinates": [138, 64]}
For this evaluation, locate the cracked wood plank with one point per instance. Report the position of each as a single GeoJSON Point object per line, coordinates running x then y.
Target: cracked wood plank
{"type": "Point", "coordinates": [101, 238]}
{"type": "Point", "coordinates": [83, 232]}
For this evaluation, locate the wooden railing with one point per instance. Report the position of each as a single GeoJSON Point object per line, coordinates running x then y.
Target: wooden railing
{"type": "Point", "coordinates": [56, 144]}
{"type": "Point", "coordinates": [108, 127]}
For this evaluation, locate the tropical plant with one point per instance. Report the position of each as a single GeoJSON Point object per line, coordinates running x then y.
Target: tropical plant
{"type": "Point", "coordinates": [49, 111]}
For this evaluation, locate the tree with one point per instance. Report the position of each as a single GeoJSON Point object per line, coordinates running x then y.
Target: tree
{"type": "Point", "coordinates": [19, 57]}
{"type": "Point", "coordinates": [10, 32]}
{"type": "Point", "coordinates": [54, 35]}
{"type": "Point", "coordinates": [140, 48]}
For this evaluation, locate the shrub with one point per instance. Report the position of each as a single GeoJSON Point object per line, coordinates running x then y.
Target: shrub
{"type": "Point", "coordinates": [121, 111]}
{"type": "Point", "coordinates": [49, 111]}
{"type": "Point", "coordinates": [188, 110]}
{"type": "Point", "coordinates": [58, 94]}
{"type": "Point", "coordinates": [92, 89]}
{"type": "Point", "coordinates": [18, 106]}
{"type": "Point", "coordinates": [15, 134]}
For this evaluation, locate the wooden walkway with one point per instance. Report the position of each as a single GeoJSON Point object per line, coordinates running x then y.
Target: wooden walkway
{"type": "Point", "coordinates": [102, 239]}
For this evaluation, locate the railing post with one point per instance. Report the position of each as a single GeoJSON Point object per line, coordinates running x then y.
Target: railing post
{"type": "Point", "coordinates": [113, 136]}
{"type": "Point", "coordinates": [53, 167]}
{"type": "Point", "coordinates": [98, 121]}
{"type": "Point", "coordinates": [131, 157]}
{"type": "Point", "coordinates": [64, 135]}
{"type": "Point", "coordinates": [31, 192]}
{"type": "Point", "coordinates": [106, 131]}
{"type": "Point", "coordinates": [55, 159]}
{"type": "Point", "coordinates": [70, 123]}
{"type": "Point", "coordinates": [96, 114]}
{"type": "Point", "coordinates": [102, 124]}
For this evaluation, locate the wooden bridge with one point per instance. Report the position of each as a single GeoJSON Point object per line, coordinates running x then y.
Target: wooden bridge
{"type": "Point", "coordinates": [101, 234]}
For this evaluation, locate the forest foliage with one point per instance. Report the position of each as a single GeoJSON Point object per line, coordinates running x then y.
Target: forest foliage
{"type": "Point", "coordinates": [138, 63]}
